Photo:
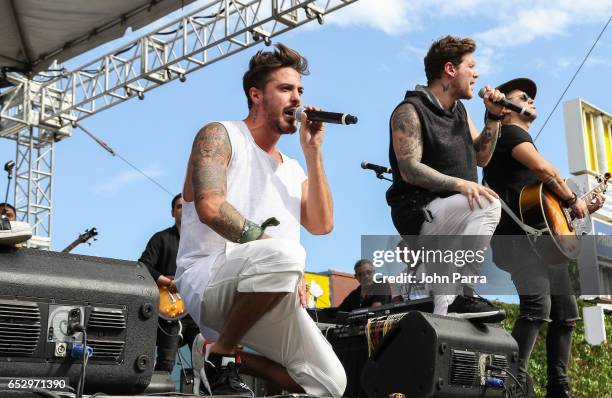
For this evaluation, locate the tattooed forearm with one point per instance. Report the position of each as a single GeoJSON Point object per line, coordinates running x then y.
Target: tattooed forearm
{"type": "Point", "coordinates": [228, 223]}
{"type": "Point", "coordinates": [210, 155]}
{"type": "Point", "coordinates": [424, 176]}
{"type": "Point", "coordinates": [553, 184]}
{"type": "Point", "coordinates": [408, 147]}
{"type": "Point", "coordinates": [486, 142]}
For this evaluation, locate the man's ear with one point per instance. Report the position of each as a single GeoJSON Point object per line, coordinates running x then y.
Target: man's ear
{"type": "Point", "coordinates": [256, 95]}
{"type": "Point", "coordinates": [450, 69]}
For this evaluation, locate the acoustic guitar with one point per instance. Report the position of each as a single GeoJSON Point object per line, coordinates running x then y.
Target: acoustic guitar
{"type": "Point", "coordinates": [561, 230]}
{"type": "Point", "coordinates": [171, 305]}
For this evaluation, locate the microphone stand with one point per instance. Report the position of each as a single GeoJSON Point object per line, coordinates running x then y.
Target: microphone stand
{"type": "Point", "coordinates": [380, 176]}
{"type": "Point", "coordinates": [9, 172]}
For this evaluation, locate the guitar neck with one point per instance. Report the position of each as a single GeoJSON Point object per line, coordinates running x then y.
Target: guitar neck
{"type": "Point", "coordinates": [84, 237]}
{"type": "Point", "coordinates": [71, 246]}
{"type": "Point", "coordinates": [599, 188]}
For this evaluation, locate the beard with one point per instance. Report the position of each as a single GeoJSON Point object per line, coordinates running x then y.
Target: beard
{"type": "Point", "coordinates": [279, 124]}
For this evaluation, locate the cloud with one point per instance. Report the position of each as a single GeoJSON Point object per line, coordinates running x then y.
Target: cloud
{"type": "Point", "coordinates": [122, 179]}
{"type": "Point", "coordinates": [514, 23]}
{"type": "Point", "coordinates": [390, 16]}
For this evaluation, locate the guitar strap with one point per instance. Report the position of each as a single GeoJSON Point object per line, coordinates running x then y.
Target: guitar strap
{"type": "Point", "coordinates": [528, 229]}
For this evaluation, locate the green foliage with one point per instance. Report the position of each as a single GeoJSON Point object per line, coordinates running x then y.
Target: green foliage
{"type": "Point", "coordinates": [590, 369]}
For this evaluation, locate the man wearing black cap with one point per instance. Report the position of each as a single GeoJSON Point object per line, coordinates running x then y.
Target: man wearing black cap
{"type": "Point", "coordinates": [545, 291]}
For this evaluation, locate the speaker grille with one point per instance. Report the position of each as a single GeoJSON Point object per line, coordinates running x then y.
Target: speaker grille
{"type": "Point", "coordinates": [501, 361]}
{"type": "Point", "coordinates": [107, 318]}
{"type": "Point", "coordinates": [19, 328]}
{"type": "Point", "coordinates": [106, 350]}
{"type": "Point", "coordinates": [464, 368]}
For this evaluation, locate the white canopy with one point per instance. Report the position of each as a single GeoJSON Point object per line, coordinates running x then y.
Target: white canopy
{"type": "Point", "coordinates": [34, 33]}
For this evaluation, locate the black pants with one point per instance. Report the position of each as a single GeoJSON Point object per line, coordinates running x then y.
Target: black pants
{"type": "Point", "coordinates": [169, 340]}
{"type": "Point", "coordinates": [546, 296]}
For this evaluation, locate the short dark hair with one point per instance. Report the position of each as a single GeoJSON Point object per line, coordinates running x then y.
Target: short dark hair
{"type": "Point", "coordinates": [361, 262]}
{"type": "Point", "coordinates": [10, 206]}
{"type": "Point", "coordinates": [177, 197]}
{"type": "Point", "coordinates": [265, 62]}
{"type": "Point", "coordinates": [447, 49]}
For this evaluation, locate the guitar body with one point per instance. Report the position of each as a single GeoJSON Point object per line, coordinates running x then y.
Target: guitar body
{"type": "Point", "coordinates": [540, 209]}
{"type": "Point", "coordinates": [171, 305]}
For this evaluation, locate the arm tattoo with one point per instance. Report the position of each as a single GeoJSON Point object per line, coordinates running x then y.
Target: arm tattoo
{"type": "Point", "coordinates": [408, 147]}
{"type": "Point", "coordinates": [552, 183]}
{"type": "Point", "coordinates": [486, 142]}
{"type": "Point", "coordinates": [210, 154]}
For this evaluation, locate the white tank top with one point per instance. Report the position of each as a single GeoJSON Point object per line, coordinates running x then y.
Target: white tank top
{"type": "Point", "coordinates": [258, 186]}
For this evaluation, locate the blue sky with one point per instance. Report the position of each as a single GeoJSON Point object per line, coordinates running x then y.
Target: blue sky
{"type": "Point", "coordinates": [362, 60]}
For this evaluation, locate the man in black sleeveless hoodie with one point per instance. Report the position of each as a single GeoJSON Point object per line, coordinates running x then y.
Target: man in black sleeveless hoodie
{"type": "Point", "coordinates": [434, 150]}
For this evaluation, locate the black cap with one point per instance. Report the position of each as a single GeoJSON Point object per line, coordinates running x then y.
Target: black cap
{"type": "Point", "coordinates": [522, 83]}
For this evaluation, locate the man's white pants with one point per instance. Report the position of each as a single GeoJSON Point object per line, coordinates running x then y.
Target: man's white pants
{"type": "Point", "coordinates": [285, 334]}
{"type": "Point", "coordinates": [453, 216]}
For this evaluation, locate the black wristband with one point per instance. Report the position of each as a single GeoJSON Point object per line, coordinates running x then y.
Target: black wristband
{"type": "Point", "coordinates": [571, 201]}
{"type": "Point", "coordinates": [494, 117]}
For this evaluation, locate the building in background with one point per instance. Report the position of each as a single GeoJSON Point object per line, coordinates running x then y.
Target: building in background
{"type": "Point", "coordinates": [329, 288]}
{"type": "Point", "coordinates": [588, 134]}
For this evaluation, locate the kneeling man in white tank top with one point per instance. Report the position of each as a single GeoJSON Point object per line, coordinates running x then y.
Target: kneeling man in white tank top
{"type": "Point", "coordinates": [240, 263]}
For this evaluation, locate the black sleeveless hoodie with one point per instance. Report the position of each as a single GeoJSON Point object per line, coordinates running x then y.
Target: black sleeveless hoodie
{"type": "Point", "coordinates": [447, 148]}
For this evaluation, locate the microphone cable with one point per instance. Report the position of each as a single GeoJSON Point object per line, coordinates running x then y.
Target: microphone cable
{"type": "Point", "coordinates": [573, 77]}
{"type": "Point", "coordinates": [114, 153]}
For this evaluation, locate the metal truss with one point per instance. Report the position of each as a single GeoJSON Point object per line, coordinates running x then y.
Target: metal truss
{"type": "Point", "coordinates": [40, 111]}
{"type": "Point", "coordinates": [33, 183]}
{"type": "Point", "coordinates": [207, 35]}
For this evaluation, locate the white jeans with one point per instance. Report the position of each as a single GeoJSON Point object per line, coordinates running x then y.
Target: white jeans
{"type": "Point", "coordinates": [453, 216]}
{"type": "Point", "coordinates": [285, 334]}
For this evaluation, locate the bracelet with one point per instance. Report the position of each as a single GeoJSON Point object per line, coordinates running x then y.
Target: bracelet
{"type": "Point", "coordinates": [494, 117]}
{"type": "Point", "coordinates": [571, 201]}
{"type": "Point", "coordinates": [250, 231]}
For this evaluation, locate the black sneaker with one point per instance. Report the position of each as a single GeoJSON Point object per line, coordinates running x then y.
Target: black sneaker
{"type": "Point", "coordinates": [476, 308]}
{"type": "Point", "coordinates": [558, 391]}
{"type": "Point", "coordinates": [221, 377]}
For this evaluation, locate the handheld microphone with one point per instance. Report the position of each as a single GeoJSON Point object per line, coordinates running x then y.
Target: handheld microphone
{"type": "Point", "coordinates": [376, 168]}
{"type": "Point", "coordinates": [508, 104]}
{"type": "Point", "coordinates": [325, 117]}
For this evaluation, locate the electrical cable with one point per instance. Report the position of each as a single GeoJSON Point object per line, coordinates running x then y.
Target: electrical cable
{"type": "Point", "coordinates": [517, 383]}
{"type": "Point", "coordinates": [573, 77]}
{"type": "Point", "coordinates": [37, 391]}
{"type": "Point", "coordinates": [114, 153]}
{"type": "Point", "coordinates": [81, 383]}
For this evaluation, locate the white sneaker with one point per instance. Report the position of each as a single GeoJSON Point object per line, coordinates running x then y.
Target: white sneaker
{"type": "Point", "coordinates": [199, 355]}
{"type": "Point", "coordinates": [13, 232]}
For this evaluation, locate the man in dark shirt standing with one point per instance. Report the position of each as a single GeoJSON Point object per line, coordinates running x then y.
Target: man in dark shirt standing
{"type": "Point", "coordinates": [545, 291]}
{"type": "Point", "coordinates": [160, 258]}
{"type": "Point", "coordinates": [366, 294]}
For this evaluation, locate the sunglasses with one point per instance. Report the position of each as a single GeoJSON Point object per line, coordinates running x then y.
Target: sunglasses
{"type": "Point", "coordinates": [524, 97]}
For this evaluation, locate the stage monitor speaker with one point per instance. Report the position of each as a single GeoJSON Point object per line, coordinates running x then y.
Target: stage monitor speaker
{"type": "Point", "coordinates": [43, 292]}
{"type": "Point", "coordinates": [427, 356]}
